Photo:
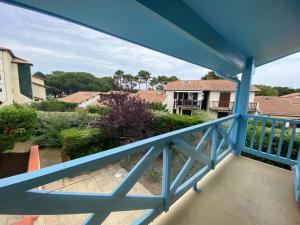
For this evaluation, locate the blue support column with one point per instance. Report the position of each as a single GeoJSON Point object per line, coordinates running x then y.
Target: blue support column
{"type": "Point", "coordinates": [236, 99]}
{"type": "Point", "coordinates": [242, 102]}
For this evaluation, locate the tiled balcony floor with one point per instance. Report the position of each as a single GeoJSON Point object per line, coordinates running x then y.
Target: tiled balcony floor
{"type": "Point", "coordinates": [240, 191]}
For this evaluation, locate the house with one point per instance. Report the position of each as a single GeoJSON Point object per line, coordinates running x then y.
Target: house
{"type": "Point", "coordinates": [280, 107]}
{"type": "Point", "coordinates": [16, 83]}
{"type": "Point", "coordinates": [82, 98]}
{"type": "Point", "coordinates": [38, 88]}
{"type": "Point", "coordinates": [214, 96]}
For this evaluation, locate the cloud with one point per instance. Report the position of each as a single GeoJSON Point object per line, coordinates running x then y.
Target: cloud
{"type": "Point", "coordinates": [53, 44]}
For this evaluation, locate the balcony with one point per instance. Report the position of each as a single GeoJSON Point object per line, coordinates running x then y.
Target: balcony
{"type": "Point", "coordinates": [224, 106]}
{"type": "Point", "coordinates": [235, 189]}
{"type": "Point", "coordinates": [186, 103]}
{"type": "Point", "coordinates": [239, 191]}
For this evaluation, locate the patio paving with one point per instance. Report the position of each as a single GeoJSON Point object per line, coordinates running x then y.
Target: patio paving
{"type": "Point", "coordinates": [102, 181]}
{"type": "Point", "coordinates": [239, 191]}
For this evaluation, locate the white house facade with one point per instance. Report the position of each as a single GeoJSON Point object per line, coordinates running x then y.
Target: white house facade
{"type": "Point", "coordinates": [215, 96]}
{"type": "Point", "coordinates": [16, 84]}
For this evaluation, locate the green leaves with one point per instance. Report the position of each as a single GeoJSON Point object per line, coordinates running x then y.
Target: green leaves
{"type": "Point", "coordinates": [17, 123]}
{"type": "Point", "coordinates": [81, 142]}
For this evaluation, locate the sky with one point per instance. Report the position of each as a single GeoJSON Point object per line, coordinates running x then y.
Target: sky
{"type": "Point", "coordinates": [53, 44]}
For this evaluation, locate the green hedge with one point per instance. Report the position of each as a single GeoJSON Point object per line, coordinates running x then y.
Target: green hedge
{"type": "Point", "coordinates": [50, 124]}
{"type": "Point", "coordinates": [53, 105]}
{"type": "Point", "coordinates": [81, 142]}
{"type": "Point", "coordinates": [96, 109]}
{"type": "Point", "coordinates": [157, 106]}
{"type": "Point", "coordinates": [163, 122]}
{"type": "Point", "coordinates": [276, 137]}
{"type": "Point", "coordinates": [17, 123]}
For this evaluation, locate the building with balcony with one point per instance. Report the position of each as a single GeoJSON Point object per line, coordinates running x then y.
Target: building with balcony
{"type": "Point", "coordinates": [16, 83]}
{"type": "Point", "coordinates": [215, 96]}
{"type": "Point", "coordinates": [215, 183]}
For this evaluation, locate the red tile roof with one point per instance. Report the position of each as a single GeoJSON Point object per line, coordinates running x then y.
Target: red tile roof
{"type": "Point", "coordinates": [292, 95]}
{"type": "Point", "coordinates": [277, 106]}
{"type": "Point", "coordinates": [80, 96]}
{"type": "Point", "coordinates": [20, 61]}
{"type": "Point", "coordinates": [15, 58]}
{"type": "Point", "coordinates": [152, 96]}
{"type": "Point", "coordinates": [204, 85]}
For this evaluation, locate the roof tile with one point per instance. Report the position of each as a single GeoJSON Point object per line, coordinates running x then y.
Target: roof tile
{"type": "Point", "coordinates": [204, 85]}
{"type": "Point", "coordinates": [277, 106]}
{"type": "Point", "coordinates": [80, 96]}
{"type": "Point", "coordinates": [152, 96]}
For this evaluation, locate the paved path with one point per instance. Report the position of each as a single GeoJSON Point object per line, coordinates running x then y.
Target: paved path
{"type": "Point", "coordinates": [102, 180]}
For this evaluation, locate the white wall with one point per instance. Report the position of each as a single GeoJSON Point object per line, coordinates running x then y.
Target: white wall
{"type": "Point", "coordinates": [2, 79]}
{"type": "Point", "coordinates": [169, 101]}
{"type": "Point", "coordinates": [10, 81]}
{"type": "Point", "coordinates": [89, 102]}
{"type": "Point", "coordinates": [7, 80]}
{"type": "Point", "coordinates": [38, 88]}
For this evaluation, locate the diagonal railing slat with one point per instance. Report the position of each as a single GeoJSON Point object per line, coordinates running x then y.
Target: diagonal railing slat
{"type": "Point", "coordinates": [18, 197]}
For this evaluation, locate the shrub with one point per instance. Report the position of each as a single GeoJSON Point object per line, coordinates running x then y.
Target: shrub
{"type": "Point", "coordinates": [17, 123]}
{"type": "Point", "coordinates": [97, 109]}
{"type": "Point", "coordinates": [204, 115]}
{"type": "Point", "coordinates": [275, 142]}
{"type": "Point", "coordinates": [93, 109]}
{"type": "Point", "coordinates": [127, 119]}
{"type": "Point", "coordinates": [50, 124]}
{"type": "Point", "coordinates": [81, 142]}
{"type": "Point", "coordinates": [53, 105]}
{"type": "Point", "coordinates": [157, 106]}
{"type": "Point", "coordinates": [163, 122]}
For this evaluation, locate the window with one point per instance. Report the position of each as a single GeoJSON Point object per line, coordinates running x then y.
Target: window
{"type": "Point", "coordinates": [0, 89]}
{"type": "Point", "coordinates": [174, 111]}
{"type": "Point", "coordinates": [25, 80]}
{"type": "Point", "coordinates": [186, 112]}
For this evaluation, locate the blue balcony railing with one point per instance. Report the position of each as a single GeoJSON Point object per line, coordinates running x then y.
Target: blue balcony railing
{"type": "Point", "coordinates": [206, 144]}
{"type": "Point", "coordinates": [272, 138]}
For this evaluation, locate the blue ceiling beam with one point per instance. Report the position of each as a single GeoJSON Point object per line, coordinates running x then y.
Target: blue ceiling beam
{"type": "Point", "coordinates": [195, 28]}
{"type": "Point", "coordinates": [135, 22]}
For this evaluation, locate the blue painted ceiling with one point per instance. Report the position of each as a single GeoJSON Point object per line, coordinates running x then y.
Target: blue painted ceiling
{"type": "Point", "coordinates": [219, 35]}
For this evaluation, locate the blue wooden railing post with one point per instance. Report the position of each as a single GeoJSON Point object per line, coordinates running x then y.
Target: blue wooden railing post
{"type": "Point", "coordinates": [242, 104]}
{"type": "Point", "coordinates": [213, 148]}
{"type": "Point", "coordinates": [297, 179]}
{"type": "Point", "coordinates": [166, 176]}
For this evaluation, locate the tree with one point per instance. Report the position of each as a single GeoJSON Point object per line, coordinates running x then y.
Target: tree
{"type": "Point", "coordinates": [160, 81]}
{"type": "Point", "coordinates": [172, 78]}
{"type": "Point", "coordinates": [145, 76]}
{"type": "Point", "coordinates": [118, 78]}
{"type": "Point", "coordinates": [210, 76]}
{"type": "Point", "coordinates": [266, 90]}
{"type": "Point", "coordinates": [127, 119]}
{"type": "Point", "coordinates": [60, 82]}
{"type": "Point", "coordinates": [40, 74]}
{"type": "Point", "coordinates": [284, 90]}
{"type": "Point", "coordinates": [154, 82]}
{"type": "Point", "coordinates": [129, 81]}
